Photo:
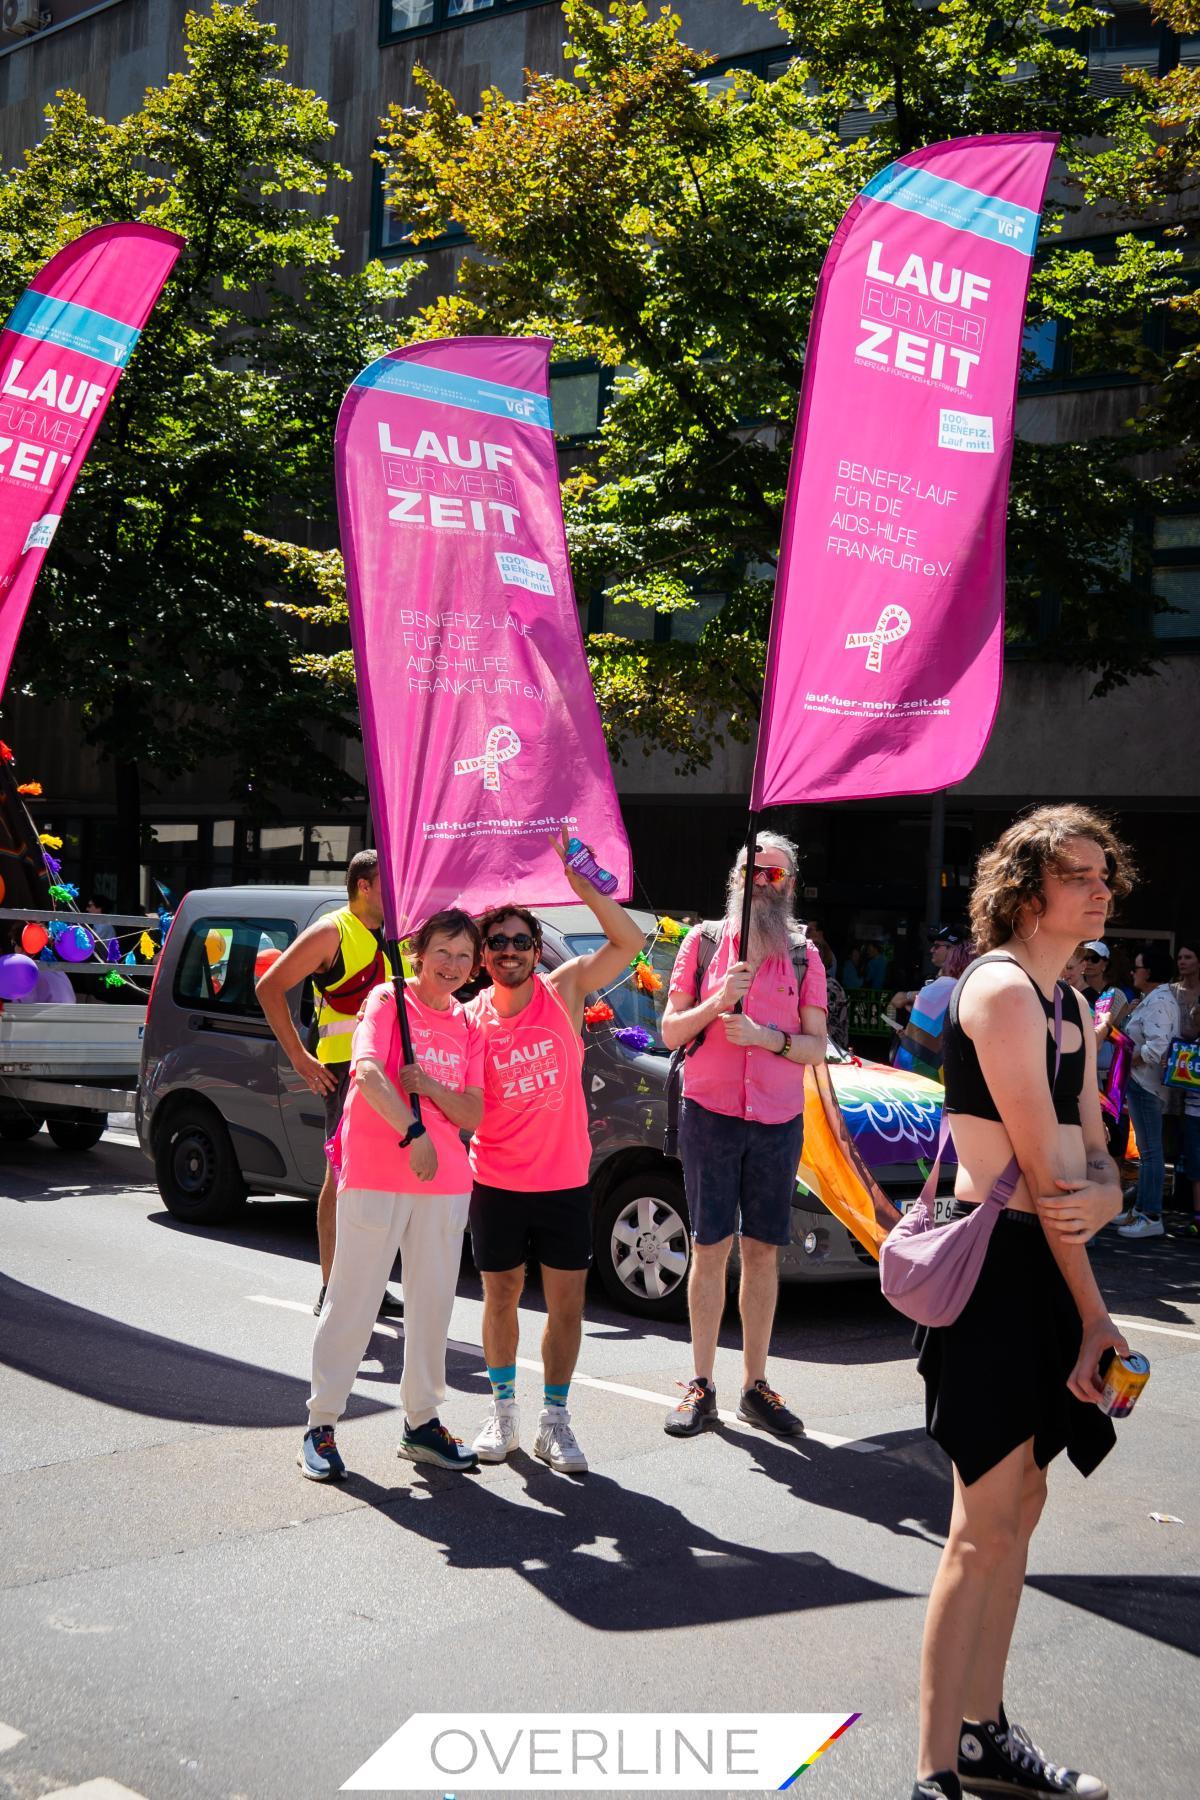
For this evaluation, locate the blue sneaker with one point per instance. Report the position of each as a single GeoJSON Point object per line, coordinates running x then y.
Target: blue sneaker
{"type": "Point", "coordinates": [432, 1443]}
{"type": "Point", "coordinates": [318, 1456]}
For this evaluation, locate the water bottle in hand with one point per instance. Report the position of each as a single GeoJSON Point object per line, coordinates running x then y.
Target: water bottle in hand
{"type": "Point", "coordinates": [580, 858]}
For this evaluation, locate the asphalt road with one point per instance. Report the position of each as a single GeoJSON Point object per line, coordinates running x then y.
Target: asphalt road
{"type": "Point", "coordinates": [183, 1616]}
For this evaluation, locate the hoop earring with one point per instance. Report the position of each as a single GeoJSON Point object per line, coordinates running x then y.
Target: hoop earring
{"type": "Point", "coordinates": [1036, 928]}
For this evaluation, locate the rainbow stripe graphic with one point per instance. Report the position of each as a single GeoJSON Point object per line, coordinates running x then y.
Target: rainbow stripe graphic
{"type": "Point", "coordinates": [819, 1753]}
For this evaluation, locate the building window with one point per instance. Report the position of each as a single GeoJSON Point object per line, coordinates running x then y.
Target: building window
{"type": "Point", "coordinates": [1176, 579]}
{"type": "Point", "coordinates": [391, 236]}
{"type": "Point", "coordinates": [399, 19]}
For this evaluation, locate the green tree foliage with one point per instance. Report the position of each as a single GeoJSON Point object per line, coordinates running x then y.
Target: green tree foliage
{"type": "Point", "coordinates": [150, 610]}
{"type": "Point", "coordinates": [676, 236]}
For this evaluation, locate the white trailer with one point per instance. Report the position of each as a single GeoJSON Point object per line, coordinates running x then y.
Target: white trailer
{"type": "Point", "coordinates": [67, 1065]}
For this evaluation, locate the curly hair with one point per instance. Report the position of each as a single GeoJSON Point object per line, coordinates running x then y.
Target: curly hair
{"type": "Point", "coordinates": [1012, 873]}
{"type": "Point", "coordinates": [496, 915]}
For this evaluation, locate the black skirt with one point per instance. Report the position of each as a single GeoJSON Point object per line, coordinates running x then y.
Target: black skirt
{"type": "Point", "coordinates": [998, 1375]}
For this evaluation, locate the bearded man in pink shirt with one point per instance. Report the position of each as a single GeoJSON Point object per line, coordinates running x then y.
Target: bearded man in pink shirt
{"type": "Point", "coordinates": [530, 1158]}
{"type": "Point", "coordinates": [742, 1127]}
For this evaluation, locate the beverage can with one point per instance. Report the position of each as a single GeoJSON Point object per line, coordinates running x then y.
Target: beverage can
{"type": "Point", "coordinates": [1124, 1378]}
{"type": "Point", "coordinates": [580, 858]}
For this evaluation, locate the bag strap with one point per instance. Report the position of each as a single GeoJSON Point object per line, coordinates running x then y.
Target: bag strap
{"type": "Point", "coordinates": [1005, 1184]}
{"type": "Point", "coordinates": [706, 949]}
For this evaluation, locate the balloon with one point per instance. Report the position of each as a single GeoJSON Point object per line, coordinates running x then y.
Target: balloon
{"type": "Point", "coordinates": [214, 947]}
{"type": "Point", "coordinates": [147, 946]}
{"type": "Point", "coordinates": [18, 977]}
{"type": "Point", "coordinates": [34, 938]}
{"type": "Point", "coordinates": [113, 950]}
{"type": "Point", "coordinates": [263, 961]}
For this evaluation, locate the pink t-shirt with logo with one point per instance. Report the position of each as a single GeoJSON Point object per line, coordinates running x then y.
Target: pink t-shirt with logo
{"type": "Point", "coordinates": [747, 1083]}
{"type": "Point", "coordinates": [534, 1134]}
{"type": "Point", "coordinates": [449, 1048]}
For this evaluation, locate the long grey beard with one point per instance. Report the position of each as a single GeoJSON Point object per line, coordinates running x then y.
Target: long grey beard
{"type": "Point", "coordinates": [770, 926]}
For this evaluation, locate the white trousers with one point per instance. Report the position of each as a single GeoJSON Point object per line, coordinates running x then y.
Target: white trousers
{"type": "Point", "coordinates": [427, 1229]}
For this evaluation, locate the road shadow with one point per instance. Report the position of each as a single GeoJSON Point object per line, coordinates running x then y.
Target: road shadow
{"type": "Point", "coordinates": [1157, 1278]}
{"type": "Point", "coordinates": [613, 1559]}
{"type": "Point", "coordinates": [142, 1372]}
{"type": "Point", "coordinates": [37, 1170]}
{"type": "Point", "coordinates": [1163, 1607]}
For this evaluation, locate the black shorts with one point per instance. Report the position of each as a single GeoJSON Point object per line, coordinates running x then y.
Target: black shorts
{"type": "Point", "coordinates": [335, 1099]}
{"type": "Point", "coordinates": [507, 1229]}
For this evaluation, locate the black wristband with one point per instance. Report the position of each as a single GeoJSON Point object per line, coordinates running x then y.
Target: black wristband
{"type": "Point", "coordinates": [415, 1131]}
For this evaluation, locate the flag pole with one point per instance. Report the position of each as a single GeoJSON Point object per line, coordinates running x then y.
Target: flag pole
{"type": "Point", "coordinates": [748, 889]}
{"type": "Point", "coordinates": [393, 950]}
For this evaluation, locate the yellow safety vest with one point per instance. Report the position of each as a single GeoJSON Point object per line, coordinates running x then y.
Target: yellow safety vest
{"type": "Point", "coordinates": [338, 1001]}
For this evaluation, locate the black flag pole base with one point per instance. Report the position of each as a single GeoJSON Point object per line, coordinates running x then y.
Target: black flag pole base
{"type": "Point", "coordinates": [394, 958]}
{"type": "Point", "coordinates": [747, 892]}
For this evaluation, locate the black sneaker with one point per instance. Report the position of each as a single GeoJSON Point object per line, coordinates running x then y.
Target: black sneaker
{"type": "Point", "coordinates": [761, 1405]}
{"type": "Point", "coordinates": [432, 1443]}
{"type": "Point", "coordinates": [390, 1307]}
{"type": "Point", "coordinates": [320, 1302]}
{"type": "Point", "coordinates": [696, 1411]}
{"type": "Point", "coordinates": [998, 1758]}
{"type": "Point", "coordinates": [945, 1785]}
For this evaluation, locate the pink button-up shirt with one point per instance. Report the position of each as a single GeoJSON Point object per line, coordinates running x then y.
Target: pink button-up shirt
{"type": "Point", "coordinates": [747, 1083]}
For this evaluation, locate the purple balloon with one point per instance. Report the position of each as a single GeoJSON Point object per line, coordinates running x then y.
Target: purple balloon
{"type": "Point", "coordinates": [75, 944]}
{"type": "Point", "coordinates": [114, 950]}
{"type": "Point", "coordinates": [18, 976]}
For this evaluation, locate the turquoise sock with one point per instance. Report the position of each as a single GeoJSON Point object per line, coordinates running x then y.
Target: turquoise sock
{"type": "Point", "coordinates": [502, 1381]}
{"type": "Point", "coordinates": [554, 1395]}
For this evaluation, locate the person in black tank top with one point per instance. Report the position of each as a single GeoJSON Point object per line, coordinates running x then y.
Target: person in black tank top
{"type": "Point", "coordinates": [1014, 1379]}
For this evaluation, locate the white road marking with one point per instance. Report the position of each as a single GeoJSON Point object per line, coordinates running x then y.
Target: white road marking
{"type": "Point", "coordinates": [827, 1439]}
{"type": "Point", "coordinates": [1193, 1337]}
{"type": "Point", "coordinates": [99, 1789]}
{"type": "Point", "coordinates": [10, 1736]}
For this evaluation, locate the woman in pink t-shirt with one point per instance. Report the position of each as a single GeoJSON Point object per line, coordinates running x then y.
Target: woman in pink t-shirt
{"type": "Point", "coordinates": [402, 1186]}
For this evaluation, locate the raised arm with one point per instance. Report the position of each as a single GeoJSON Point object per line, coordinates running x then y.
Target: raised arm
{"type": "Point", "coordinates": [312, 951]}
{"type": "Point", "coordinates": [582, 975]}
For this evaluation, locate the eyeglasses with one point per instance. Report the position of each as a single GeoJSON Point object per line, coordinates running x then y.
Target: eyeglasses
{"type": "Point", "coordinates": [765, 872]}
{"type": "Point", "coordinates": [1090, 956]}
{"type": "Point", "coordinates": [522, 941]}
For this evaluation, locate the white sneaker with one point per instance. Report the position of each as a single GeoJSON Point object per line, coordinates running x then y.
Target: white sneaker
{"type": "Point", "coordinates": [556, 1443]}
{"type": "Point", "coordinates": [1142, 1227]}
{"type": "Point", "coordinates": [498, 1436]}
{"type": "Point", "coordinates": [1125, 1217]}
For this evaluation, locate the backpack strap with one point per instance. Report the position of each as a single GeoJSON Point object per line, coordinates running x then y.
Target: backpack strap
{"type": "Point", "coordinates": [710, 938]}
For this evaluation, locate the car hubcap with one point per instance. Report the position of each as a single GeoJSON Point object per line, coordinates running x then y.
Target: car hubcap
{"type": "Point", "coordinates": [650, 1248]}
{"type": "Point", "coordinates": [193, 1163]}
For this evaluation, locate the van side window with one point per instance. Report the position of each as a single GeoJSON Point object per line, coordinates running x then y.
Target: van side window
{"type": "Point", "coordinates": [223, 958]}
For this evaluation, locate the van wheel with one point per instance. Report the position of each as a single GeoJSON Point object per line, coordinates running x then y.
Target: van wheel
{"type": "Point", "coordinates": [643, 1245]}
{"type": "Point", "coordinates": [18, 1126]}
{"type": "Point", "coordinates": [195, 1167]}
{"type": "Point", "coordinates": [78, 1134]}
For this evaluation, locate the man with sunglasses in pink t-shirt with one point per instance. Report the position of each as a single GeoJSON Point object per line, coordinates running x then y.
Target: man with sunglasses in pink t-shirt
{"type": "Point", "coordinates": [530, 1157]}
{"type": "Point", "coordinates": [742, 1124]}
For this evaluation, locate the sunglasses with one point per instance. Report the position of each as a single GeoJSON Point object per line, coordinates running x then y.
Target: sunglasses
{"type": "Point", "coordinates": [768, 874]}
{"type": "Point", "coordinates": [522, 941]}
{"type": "Point", "coordinates": [1090, 956]}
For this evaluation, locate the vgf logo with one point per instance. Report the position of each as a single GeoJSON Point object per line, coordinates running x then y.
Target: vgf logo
{"type": "Point", "coordinates": [1009, 225]}
{"type": "Point", "coordinates": [523, 409]}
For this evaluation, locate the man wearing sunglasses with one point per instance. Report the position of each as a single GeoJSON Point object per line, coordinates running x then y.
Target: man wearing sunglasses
{"type": "Point", "coordinates": [530, 1158]}
{"type": "Point", "coordinates": [754, 1025]}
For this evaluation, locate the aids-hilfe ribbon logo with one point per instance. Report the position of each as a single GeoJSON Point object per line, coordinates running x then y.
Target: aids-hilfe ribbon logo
{"type": "Point", "coordinates": [500, 746]}
{"type": "Point", "coordinates": [892, 625]}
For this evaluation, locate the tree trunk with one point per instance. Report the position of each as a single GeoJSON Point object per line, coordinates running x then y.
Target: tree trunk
{"type": "Point", "coordinates": [127, 792]}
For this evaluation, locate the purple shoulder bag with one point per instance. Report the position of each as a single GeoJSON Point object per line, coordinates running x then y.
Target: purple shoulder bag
{"type": "Point", "coordinates": [929, 1271]}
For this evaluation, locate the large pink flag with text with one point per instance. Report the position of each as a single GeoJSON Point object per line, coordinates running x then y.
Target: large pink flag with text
{"type": "Point", "coordinates": [480, 724]}
{"type": "Point", "coordinates": [62, 352]}
{"type": "Point", "coordinates": [884, 665]}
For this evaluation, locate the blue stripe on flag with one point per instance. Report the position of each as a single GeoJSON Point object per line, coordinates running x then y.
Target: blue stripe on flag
{"type": "Point", "coordinates": [445, 388]}
{"type": "Point", "coordinates": [72, 326]}
{"type": "Point", "coordinates": [950, 203]}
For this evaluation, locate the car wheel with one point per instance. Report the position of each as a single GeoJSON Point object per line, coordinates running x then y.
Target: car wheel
{"type": "Point", "coordinates": [78, 1134]}
{"type": "Point", "coordinates": [195, 1167]}
{"type": "Point", "coordinates": [643, 1245]}
{"type": "Point", "coordinates": [19, 1126]}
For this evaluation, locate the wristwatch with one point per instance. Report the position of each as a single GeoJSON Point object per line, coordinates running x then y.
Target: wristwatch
{"type": "Point", "coordinates": [415, 1131]}
{"type": "Point", "coordinates": [786, 1046]}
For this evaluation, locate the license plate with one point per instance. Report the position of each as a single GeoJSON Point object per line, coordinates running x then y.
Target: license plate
{"type": "Point", "coordinates": [943, 1208]}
